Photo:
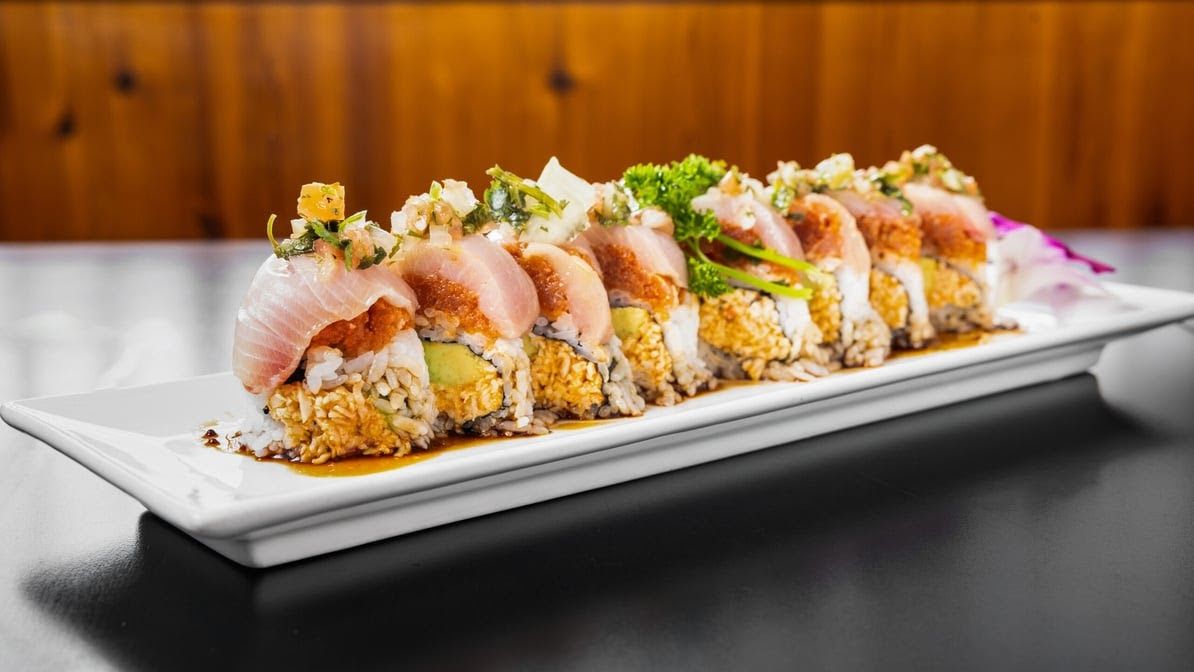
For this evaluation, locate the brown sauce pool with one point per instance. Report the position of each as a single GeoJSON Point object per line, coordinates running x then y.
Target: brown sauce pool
{"type": "Point", "coordinates": [361, 466]}
{"type": "Point", "coordinates": [953, 341]}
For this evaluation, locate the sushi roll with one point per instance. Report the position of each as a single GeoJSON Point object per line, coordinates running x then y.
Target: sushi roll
{"type": "Point", "coordinates": [959, 241]}
{"type": "Point", "coordinates": [655, 316]}
{"type": "Point", "coordinates": [576, 362]}
{"type": "Point", "coordinates": [746, 265]}
{"type": "Point", "coordinates": [853, 331]}
{"type": "Point", "coordinates": [475, 306]}
{"type": "Point", "coordinates": [324, 343]}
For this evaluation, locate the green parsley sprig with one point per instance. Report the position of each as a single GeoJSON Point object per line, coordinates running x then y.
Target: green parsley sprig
{"type": "Point", "coordinates": [671, 188]}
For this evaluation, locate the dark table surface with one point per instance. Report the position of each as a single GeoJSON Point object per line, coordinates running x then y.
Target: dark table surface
{"type": "Point", "coordinates": [1051, 527]}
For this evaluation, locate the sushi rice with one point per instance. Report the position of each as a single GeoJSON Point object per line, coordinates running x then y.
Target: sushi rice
{"type": "Point", "coordinates": [572, 381]}
{"type": "Point", "coordinates": [499, 402]}
{"type": "Point", "coordinates": [662, 348]}
{"type": "Point", "coordinates": [749, 334]}
{"type": "Point", "coordinates": [898, 295]}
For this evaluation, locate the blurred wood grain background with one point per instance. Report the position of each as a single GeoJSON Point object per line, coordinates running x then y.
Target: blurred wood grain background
{"type": "Point", "coordinates": [178, 120]}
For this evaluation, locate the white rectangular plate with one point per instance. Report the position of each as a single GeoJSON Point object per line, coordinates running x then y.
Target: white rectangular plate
{"type": "Point", "coordinates": [144, 440]}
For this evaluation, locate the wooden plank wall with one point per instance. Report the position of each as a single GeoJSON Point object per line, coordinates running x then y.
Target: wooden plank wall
{"type": "Point", "coordinates": [176, 120]}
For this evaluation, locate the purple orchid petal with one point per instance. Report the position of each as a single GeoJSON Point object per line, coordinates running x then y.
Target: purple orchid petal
{"type": "Point", "coordinates": [1004, 225]}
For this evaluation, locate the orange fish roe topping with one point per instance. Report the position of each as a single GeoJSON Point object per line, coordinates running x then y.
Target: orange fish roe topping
{"type": "Point", "coordinates": [819, 232]}
{"type": "Point", "coordinates": [368, 332]}
{"type": "Point", "coordinates": [448, 296]}
{"type": "Point", "coordinates": [897, 236]}
{"type": "Point", "coordinates": [947, 235]}
{"type": "Point", "coordinates": [623, 272]}
{"type": "Point", "coordinates": [553, 301]}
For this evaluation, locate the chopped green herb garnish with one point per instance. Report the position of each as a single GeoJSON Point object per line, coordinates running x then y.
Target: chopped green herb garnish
{"type": "Point", "coordinates": [290, 247]}
{"type": "Point", "coordinates": [782, 196]}
{"type": "Point", "coordinates": [322, 231]}
{"type": "Point", "coordinates": [328, 232]}
{"type": "Point", "coordinates": [927, 162]}
{"type": "Point", "coordinates": [320, 207]}
{"type": "Point", "coordinates": [514, 200]}
{"type": "Point", "coordinates": [614, 208]}
{"type": "Point", "coordinates": [891, 190]}
{"type": "Point", "coordinates": [477, 219]}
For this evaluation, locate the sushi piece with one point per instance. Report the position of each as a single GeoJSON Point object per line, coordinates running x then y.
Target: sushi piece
{"type": "Point", "coordinates": [475, 306]}
{"type": "Point", "coordinates": [891, 229]}
{"type": "Point", "coordinates": [959, 241]}
{"type": "Point", "coordinates": [746, 265]}
{"type": "Point", "coordinates": [853, 331]}
{"type": "Point", "coordinates": [324, 343]}
{"type": "Point", "coordinates": [576, 363]}
{"type": "Point", "coordinates": [655, 316]}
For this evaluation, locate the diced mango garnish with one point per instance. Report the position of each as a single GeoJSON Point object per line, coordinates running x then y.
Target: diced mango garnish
{"type": "Point", "coordinates": [324, 202]}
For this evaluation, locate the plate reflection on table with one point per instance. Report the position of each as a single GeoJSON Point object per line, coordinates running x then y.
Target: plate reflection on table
{"type": "Point", "coordinates": [700, 566]}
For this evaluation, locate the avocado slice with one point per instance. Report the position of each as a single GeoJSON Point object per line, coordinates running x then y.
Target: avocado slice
{"type": "Point", "coordinates": [529, 345]}
{"type": "Point", "coordinates": [928, 268]}
{"type": "Point", "coordinates": [629, 321]}
{"type": "Point", "coordinates": [454, 364]}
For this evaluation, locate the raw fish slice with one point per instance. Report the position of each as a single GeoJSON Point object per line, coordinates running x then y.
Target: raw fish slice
{"type": "Point", "coordinates": [505, 295]}
{"type": "Point", "coordinates": [743, 216]}
{"type": "Point", "coordinates": [888, 231]}
{"type": "Point", "coordinates": [830, 235]}
{"type": "Point", "coordinates": [953, 224]}
{"type": "Point", "coordinates": [579, 246]}
{"type": "Point", "coordinates": [978, 218]}
{"type": "Point", "coordinates": [653, 248]}
{"type": "Point", "coordinates": [290, 301]}
{"type": "Point", "coordinates": [860, 204]}
{"type": "Point", "coordinates": [580, 293]}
